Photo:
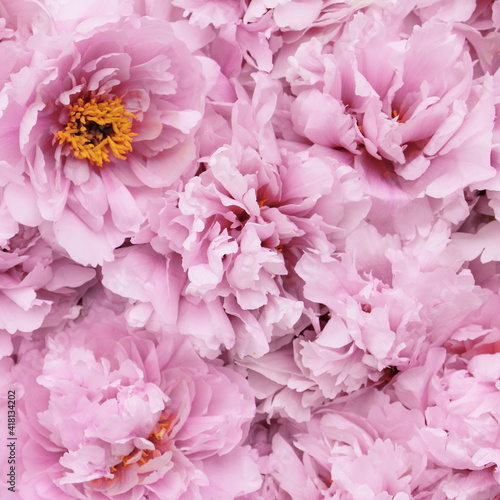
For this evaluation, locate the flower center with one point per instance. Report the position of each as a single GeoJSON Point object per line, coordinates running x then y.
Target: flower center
{"type": "Point", "coordinates": [96, 128]}
{"type": "Point", "coordinates": [142, 457]}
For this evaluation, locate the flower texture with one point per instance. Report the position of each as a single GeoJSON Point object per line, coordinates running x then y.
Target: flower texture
{"type": "Point", "coordinates": [139, 418]}
{"type": "Point", "coordinates": [376, 91]}
{"type": "Point", "coordinates": [387, 320]}
{"type": "Point", "coordinates": [458, 396]}
{"type": "Point", "coordinates": [250, 249]}
{"type": "Point", "coordinates": [37, 287]}
{"type": "Point", "coordinates": [101, 122]}
{"type": "Point", "coordinates": [240, 227]}
{"type": "Point", "coordinates": [343, 452]}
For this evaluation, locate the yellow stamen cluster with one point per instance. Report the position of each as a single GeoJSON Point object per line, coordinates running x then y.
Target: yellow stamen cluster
{"type": "Point", "coordinates": [156, 436]}
{"type": "Point", "coordinates": [395, 114]}
{"type": "Point", "coordinates": [96, 127]}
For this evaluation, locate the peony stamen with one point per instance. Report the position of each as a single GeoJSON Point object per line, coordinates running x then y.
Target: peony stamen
{"type": "Point", "coordinates": [396, 114]}
{"type": "Point", "coordinates": [263, 202]}
{"type": "Point", "coordinates": [156, 436]}
{"type": "Point", "coordinates": [95, 127]}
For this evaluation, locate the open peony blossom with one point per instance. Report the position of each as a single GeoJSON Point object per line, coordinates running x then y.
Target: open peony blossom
{"type": "Point", "coordinates": [139, 418]}
{"type": "Point", "coordinates": [100, 122]}
{"type": "Point", "coordinates": [375, 90]}
{"type": "Point", "coordinates": [239, 228]}
{"type": "Point", "coordinates": [249, 250]}
{"type": "Point", "coordinates": [38, 288]}
{"type": "Point", "coordinates": [365, 448]}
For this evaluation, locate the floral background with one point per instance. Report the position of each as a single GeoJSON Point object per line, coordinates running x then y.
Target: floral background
{"type": "Point", "coordinates": [250, 249]}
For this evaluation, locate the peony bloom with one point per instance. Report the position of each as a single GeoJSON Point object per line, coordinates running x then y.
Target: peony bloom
{"type": "Point", "coordinates": [361, 447]}
{"type": "Point", "coordinates": [388, 302]}
{"type": "Point", "coordinates": [101, 121]}
{"type": "Point", "coordinates": [38, 288]}
{"type": "Point", "coordinates": [240, 227]}
{"type": "Point", "coordinates": [366, 448]}
{"type": "Point", "coordinates": [111, 415]}
{"type": "Point", "coordinates": [19, 20]}
{"type": "Point", "coordinates": [372, 90]}
{"type": "Point", "coordinates": [459, 397]}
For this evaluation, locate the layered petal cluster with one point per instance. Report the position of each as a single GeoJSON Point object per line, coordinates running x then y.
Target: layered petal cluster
{"type": "Point", "coordinates": [385, 322]}
{"type": "Point", "coordinates": [238, 230]}
{"type": "Point", "coordinates": [38, 288]}
{"type": "Point", "coordinates": [140, 419]}
{"type": "Point", "coordinates": [95, 127]}
{"type": "Point", "coordinates": [367, 448]}
{"type": "Point", "coordinates": [377, 92]}
{"type": "Point", "coordinates": [249, 249]}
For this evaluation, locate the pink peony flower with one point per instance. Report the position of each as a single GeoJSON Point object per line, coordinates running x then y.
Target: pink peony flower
{"type": "Point", "coordinates": [37, 287]}
{"type": "Point", "coordinates": [344, 451]}
{"type": "Point", "coordinates": [460, 401]}
{"type": "Point", "coordinates": [209, 220]}
{"type": "Point", "coordinates": [19, 20]}
{"type": "Point", "coordinates": [241, 225]}
{"type": "Point", "coordinates": [379, 93]}
{"type": "Point", "coordinates": [140, 419]}
{"type": "Point", "coordinates": [101, 121]}
{"type": "Point", "coordinates": [397, 304]}
{"type": "Point", "coordinates": [364, 447]}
